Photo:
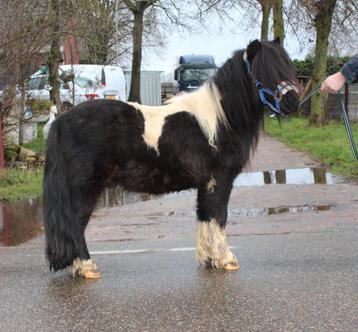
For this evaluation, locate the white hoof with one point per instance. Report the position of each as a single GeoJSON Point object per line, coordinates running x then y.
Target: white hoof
{"type": "Point", "coordinates": [85, 268]}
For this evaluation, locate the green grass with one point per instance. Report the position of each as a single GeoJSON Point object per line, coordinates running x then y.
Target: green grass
{"type": "Point", "coordinates": [329, 144]}
{"type": "Point", "coordinates": [38, 144]}
{"type": "Point", "coordinates": [18, 184]}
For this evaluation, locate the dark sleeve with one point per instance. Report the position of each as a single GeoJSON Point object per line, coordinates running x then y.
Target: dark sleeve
{"type": "Point", "coordinates": [350, 69]}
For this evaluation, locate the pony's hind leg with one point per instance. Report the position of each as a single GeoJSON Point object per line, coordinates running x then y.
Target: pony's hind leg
{"type": "Point", "coordinates": [211, 246]}
{"type": "Point", "coordinates": [83, 265]}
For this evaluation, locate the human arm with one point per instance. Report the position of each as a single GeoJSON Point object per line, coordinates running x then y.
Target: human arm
{"type": "Point", "coordinates": [347, 74]}
{"type": "Point", "coordinates": [350, 70]}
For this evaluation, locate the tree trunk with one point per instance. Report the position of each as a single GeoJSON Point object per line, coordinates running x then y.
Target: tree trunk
{"type": "Point", "coordinates": [278, 25]}
{"type": "Point", "coordinates": [21, 114]}
{"type": "Point", "coordinates": [323, 28]}
{"type": "Point", "coordinates": [266, 10]}
{"type": "Point", "coordinates": [134, 94]}
{"type": "Point", "coordinates": [55, 56]}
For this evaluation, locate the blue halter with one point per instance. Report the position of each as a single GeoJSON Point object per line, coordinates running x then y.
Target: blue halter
{"type": "Point", "coordinates": [263, 91]}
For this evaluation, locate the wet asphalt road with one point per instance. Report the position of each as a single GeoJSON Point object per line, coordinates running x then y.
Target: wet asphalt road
{"type": "Point", "coordinates": [299, 269]}
{"type": "Point", "coordinates": [287, 282]}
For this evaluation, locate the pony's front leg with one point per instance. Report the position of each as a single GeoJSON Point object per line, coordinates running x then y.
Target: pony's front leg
{"type": "Point", "coordinates": [211, 246]}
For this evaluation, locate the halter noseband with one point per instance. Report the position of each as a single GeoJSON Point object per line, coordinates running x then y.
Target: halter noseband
{"type": "Point", "coordinates": [282, 88]}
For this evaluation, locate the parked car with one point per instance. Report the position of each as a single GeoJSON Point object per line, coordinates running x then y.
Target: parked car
{"type": "Point", "coordinates": [79, 83]}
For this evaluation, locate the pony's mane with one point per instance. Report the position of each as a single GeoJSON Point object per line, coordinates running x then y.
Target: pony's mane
{"type": "Point", "coordinates": [204, 104]}
{"type": "Point", "coordinates": [238, 98]}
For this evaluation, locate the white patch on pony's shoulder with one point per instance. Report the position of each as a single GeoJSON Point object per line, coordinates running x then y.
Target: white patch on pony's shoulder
{"type": "Point", "coordinates": [204, 104]}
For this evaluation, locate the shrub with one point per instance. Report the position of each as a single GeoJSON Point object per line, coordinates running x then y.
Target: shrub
{"type": "Point", "coordinates": [305, 67]}
{"type": "Point", "coordinates": [39, 106]}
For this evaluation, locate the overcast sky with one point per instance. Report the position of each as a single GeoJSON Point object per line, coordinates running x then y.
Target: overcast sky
{"type": "Point", "coordinates": [220, 44]}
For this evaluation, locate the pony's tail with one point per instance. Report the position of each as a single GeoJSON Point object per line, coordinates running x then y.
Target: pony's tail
{"type": "Point", "coordinates": [59, 217]}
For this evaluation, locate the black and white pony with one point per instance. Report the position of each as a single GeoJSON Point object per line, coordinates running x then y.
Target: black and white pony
{"type": "Point", "coordinates": [197, 140]}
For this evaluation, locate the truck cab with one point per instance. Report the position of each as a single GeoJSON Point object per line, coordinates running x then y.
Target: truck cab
{"type": "Point", "coordinates": [194, 70]}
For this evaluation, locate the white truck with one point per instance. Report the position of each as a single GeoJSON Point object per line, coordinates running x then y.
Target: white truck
{"type": "Point", "coordinates": [80, 83]}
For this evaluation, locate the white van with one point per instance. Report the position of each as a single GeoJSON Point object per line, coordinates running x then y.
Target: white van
{"type": "Point", "coordinates": [80, 83]}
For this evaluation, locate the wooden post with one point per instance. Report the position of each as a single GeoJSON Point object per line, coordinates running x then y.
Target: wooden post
{"type": "Point", "coordinates": [2, 162]}
{"type": "Point", "coordinates": [5, 219]}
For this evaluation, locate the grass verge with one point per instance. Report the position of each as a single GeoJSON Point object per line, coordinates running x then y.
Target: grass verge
{"type": "Point", "coordinates": [18, 184]}
{"type": "Point", "coordinates": [328, 144]}
{"type": "Point", "coordinates": [38, 144]}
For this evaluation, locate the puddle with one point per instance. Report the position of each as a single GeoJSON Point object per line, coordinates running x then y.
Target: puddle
{"type": "Point", "coordinates": [286, 176]}
{"type": "Point", "coordinates": [252, 212]}
{"type": "Point", "coordinates": [20, 221]}
{"type": "Point", "coordinates": [117, 197]}
{"type": "Point", "coordinates": [112, 197]}
{"type": "Point", "coordinates": [257, 212]}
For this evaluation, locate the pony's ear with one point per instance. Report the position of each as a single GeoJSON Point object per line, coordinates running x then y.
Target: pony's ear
{"type": "Point", "coordinates": [253, 48]}
{"type": "Point", "coordinates": [277, 40]}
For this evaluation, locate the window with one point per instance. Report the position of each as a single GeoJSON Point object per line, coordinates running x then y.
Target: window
{"type": "Point", "coordinates": [198, 74]}
{"type": "Point", "coordinates": [37, 83]}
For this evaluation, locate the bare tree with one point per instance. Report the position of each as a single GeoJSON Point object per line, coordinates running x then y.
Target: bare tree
{"type": "Point", "coordinates": [344, 32]}
{"type": "Point", "coordinates": [251, 9]}
{"type": "Point", "coordinates": [150, 17]}
{"type": "Point", "coordinates": [103, 28]}
{"type": "Point", "coordinates": [55, 58]}
{"type": "Point", "coordinates": [332, 24]}
{"type": "Point", "coordinates": [137, 7]}
{"type": "Point", "coordinates": [25, 32]}
{"type": "Point", "coordinates": [323, 23]}
{"type": "Point", "coordinates": [266, 6]}
{"type": "Point", "coordinates": [278, 23]}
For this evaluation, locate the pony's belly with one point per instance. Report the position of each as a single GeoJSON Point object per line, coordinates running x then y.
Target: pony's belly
{"type": "Point", "coordinates": [157, 187]}
{"type": "Point", "coordinates": [144, 179]}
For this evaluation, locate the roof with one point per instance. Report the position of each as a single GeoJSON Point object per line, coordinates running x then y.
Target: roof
{"type": "Point", "coordinates": [196, 59]}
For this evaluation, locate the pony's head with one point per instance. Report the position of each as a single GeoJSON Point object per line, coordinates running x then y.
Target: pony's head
{"type": "Point", "coordinates": [273, 75]}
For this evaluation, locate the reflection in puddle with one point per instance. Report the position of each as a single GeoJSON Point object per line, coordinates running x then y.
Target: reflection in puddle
{"type": "Point", "coordinates": [253, 212]}
{"type": "Point", "coordinates": [20, 221]}
{"type": "Point", "coordinates": [285, 176]}
{"type": "Point", "coordinates": [112, 197]}
{"type": "Point", "coordinates": [256, 212]}
{"type": "Point", "coordinates": [118, 197]}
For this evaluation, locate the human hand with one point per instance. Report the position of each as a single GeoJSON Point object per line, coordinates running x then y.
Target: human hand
{"type": "Point", "coordinates": [333, 83]}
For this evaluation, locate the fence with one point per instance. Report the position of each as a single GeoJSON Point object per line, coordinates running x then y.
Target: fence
{"type": "Point", "coordinates": [332, 106]}
{"type": "Point", "coordinates": [353, 102]}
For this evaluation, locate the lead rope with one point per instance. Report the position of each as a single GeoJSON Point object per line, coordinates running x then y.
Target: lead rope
{"type": "Point", "coordinates": [314, 91]}
{"type": "Point", "coordinates": [345, 119]}
{"type": "Point", "coordinates": [348, 127]}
